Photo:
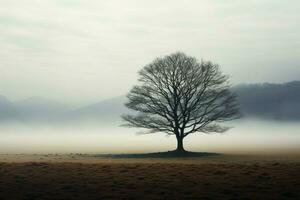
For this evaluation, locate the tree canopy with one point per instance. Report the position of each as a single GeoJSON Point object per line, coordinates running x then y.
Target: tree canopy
{"type": "Point", "coordinates": [179, 95]}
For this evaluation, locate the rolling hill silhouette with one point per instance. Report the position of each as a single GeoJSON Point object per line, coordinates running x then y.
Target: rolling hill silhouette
{"type": "Point", "coordinates": [272, 101]}
{"type": "Point", "coordinates": [269, 101]}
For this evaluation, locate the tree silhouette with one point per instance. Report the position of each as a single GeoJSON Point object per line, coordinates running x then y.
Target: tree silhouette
{"type": "Point", "coordinates": [178, 95]}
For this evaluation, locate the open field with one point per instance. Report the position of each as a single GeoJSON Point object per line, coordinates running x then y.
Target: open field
{"type": "Point", "coordinates": [89, 177]}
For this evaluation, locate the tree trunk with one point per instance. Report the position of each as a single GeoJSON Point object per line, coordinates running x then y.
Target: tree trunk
{"type": "Point", "coordinates": [180, 145]}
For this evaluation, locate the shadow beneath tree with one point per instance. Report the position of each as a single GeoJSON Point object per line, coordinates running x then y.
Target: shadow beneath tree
{"type": "Point", "coordinates": [168, 154]}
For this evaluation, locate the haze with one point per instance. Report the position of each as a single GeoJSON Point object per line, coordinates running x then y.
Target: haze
{"type": "Point", "coordinates": [248, 136]}
{"type": "Point", "coordinates": [80, 52]}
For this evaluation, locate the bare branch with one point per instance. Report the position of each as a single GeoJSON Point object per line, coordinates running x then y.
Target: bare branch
{"type": "Point", "coordinates": [178, 95]}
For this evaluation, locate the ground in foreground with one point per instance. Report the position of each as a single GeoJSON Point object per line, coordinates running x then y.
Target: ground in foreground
{"type": "Point", "coordinates": [192, 178]}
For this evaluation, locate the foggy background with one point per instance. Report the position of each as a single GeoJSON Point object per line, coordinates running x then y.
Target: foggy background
{"type": "Point", "coordinates": [80, 52]}
{"type": "Point", "coordinates": [66, 65]}
{"type": "Point", "coordinates": [270, 124]}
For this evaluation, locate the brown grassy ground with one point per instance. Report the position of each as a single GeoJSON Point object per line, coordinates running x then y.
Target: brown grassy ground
{"type": "Point", "coordinates": [196, 178]}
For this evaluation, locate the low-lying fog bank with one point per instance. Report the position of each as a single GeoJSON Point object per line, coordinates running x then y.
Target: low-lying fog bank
{"type": "Point", "coordinates": [246, 136]}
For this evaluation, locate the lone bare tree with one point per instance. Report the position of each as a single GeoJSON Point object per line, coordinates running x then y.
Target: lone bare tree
{"type": "Point", "coordinates": [178, 95]}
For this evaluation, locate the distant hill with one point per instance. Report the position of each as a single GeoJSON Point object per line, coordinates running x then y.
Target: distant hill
{"type": "Point", "coordinates": [270, 101]}
{"type": "Point", "coordinates": [107, 110]}
{"type": "Point", "coordinates": [7, 109]}
{"type": "Point", "coordinates": [32, 109]}
{"type": "Point", "coordinates": [40, 108]}
{"type": "Point", "coordinates": [273, 101]}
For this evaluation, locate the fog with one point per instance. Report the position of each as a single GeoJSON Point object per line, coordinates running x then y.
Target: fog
{"type": "Point", "coordinates": [61, 59]}
{"type": "Point", "coordinates": [246, 136]}
{"type": "Point", "coordinates": [76, 48]}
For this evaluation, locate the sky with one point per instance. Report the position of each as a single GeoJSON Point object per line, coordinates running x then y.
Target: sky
{"type": "Point", "coordinates": [80, 52]}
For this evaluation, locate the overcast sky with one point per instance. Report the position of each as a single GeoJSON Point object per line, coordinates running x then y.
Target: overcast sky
{"type": "Point", "coordinates": [80, 51]}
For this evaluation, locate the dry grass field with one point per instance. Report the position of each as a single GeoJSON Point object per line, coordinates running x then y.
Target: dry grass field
{"type": "Point", "coordinates": [84, 177]}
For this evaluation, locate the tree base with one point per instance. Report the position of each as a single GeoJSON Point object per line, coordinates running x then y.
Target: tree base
{"type": "Point", "coordinates": [179, 151]}
{"type": "Point", "coordinates": [168, 154]}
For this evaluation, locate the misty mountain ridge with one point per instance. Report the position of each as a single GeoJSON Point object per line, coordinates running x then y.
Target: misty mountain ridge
{"type": "Point", "coordinates": [266, 101]}
{"type": "Point", "coordinates": [109, 110]}
{"type": "Point", "coordinates": [31, 109]}
{"type": "Point", "coordinates": [272, 101]}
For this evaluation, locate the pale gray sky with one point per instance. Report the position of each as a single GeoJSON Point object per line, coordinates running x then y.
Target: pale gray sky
{"type": "Point", "coordinates": [80, 51]}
